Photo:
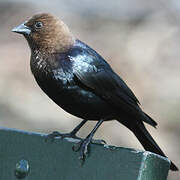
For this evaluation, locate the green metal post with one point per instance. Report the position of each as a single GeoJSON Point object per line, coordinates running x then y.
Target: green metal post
{"type": "Point", "coordinates": [28, 156]}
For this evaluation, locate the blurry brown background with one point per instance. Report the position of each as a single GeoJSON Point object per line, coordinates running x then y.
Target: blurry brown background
{"type": "Point", "coordinates": [140, 39]}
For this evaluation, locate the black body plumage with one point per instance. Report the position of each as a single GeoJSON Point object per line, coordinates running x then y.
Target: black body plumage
{"type": "Point", "coordinates": [81, 82]}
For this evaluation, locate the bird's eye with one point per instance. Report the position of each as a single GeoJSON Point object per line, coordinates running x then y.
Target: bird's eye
{"type": "Point", "coordinates": [38, 25]}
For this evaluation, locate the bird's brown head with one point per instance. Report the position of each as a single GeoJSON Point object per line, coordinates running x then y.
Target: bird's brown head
{"type": "Point", "coordinates": [46, 32]}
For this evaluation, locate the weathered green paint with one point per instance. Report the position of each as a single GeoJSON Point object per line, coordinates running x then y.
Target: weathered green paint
{"type": "Point", "coordinates": [56, 160]}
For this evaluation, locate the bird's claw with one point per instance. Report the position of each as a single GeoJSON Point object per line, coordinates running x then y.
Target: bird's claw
{"type": "Point", "coordinates": [52, 136]}
{"type": "Point", "coordinates": [84, 150]}
{"type": "Point", "coordinates": [55, 134]}
{"type": "Point", "coordinates": [82, 147]}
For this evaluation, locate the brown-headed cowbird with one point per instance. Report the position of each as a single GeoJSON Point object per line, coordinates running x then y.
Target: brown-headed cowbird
{"type": "Point", "coordinates": [81, 82]}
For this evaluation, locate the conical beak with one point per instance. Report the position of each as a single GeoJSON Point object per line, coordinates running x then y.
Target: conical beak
{"type": "Point", "coordinates": [22, 29]}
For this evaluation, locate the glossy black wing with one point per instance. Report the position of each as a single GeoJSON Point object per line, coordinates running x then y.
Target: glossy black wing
{"type": "Point", "coordinates": [93, 72]}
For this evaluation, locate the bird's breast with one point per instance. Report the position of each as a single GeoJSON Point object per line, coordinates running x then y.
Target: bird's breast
{"type": "Point", "coordinates": [60, 86]}
{"type": "Point", "coordinates": [72, 98]}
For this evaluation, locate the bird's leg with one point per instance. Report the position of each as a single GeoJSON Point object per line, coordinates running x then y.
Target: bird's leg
{"type": "Point", "coordinates": [84, 144]}
{"type": "Point", "coordinates": [71, 134]}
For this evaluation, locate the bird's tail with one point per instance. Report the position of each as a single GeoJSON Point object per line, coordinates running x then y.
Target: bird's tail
{"type": "Point", "coordinates": [148, 142]}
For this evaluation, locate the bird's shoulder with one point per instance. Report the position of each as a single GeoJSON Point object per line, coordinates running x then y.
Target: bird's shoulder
{"type": "Point", "coordinates": [79, 58]}
{"type": "Point", "coordinates": [94, 72]}
{"type": "Point", "coordinates": [81, 54]}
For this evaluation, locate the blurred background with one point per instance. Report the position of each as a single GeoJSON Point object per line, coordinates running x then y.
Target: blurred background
{"type": "Point", "coordinates": [140, 39]}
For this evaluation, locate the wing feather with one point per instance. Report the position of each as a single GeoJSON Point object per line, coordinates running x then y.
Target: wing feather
{"type": "Point", "coordinates": [92, 71]}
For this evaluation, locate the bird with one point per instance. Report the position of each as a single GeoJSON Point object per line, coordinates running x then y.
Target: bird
{"type": "Point", "coordinates": [81, 82]}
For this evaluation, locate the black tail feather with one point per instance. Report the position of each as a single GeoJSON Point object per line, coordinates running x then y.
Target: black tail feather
{"type": "Point", "coordinates": [148, 142]}
{"type": "Point", "coordinates": [146, 118]}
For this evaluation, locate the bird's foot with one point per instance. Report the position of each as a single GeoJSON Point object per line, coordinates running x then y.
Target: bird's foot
{"type": "Point", "coordinates": [83, 148]}
{"type": "Point", "coordinates": [55, 134]}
